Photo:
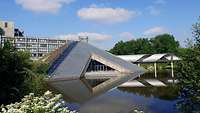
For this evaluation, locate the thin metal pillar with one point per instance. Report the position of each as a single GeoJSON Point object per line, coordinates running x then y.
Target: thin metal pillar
{"type": "Point", "coordinates": [138, 66]}
{"type": "Point", "coordinates": [155, 70]}
{"type": "Point", "coordinates": [172, 67]}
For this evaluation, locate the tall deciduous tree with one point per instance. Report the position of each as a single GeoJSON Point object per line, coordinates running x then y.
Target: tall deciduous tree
{"type": "Point", "coordinates": [189, 75]}
{"type": "Point", "coordinates": [165, 43]}
{"type": "Point", "coordinates": [160, 44]}
{"type": "Point", "coordinates": [1, 34]}
{"type": "Point", "coordinates": [18, 75]}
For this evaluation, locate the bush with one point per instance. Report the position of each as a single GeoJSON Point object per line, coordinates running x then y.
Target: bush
{"type": "Point", "coordinates": [48, 103]}
{"type": "Point", "coordinates": [34, 82]}
{"type": "Point", "coordinates": [189, 75]}
{"type": "Point", "coordinates": [136, 111]}
{"type": "Point", "coordinates": [19, 75]}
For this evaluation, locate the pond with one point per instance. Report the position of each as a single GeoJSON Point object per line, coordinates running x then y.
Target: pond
{"type": "Point", "coordinates": [125, 100]}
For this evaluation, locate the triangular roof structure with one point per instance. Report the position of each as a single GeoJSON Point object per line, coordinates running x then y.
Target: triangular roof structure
{"type": "Point", "coordinates": [150, 58]}
{"type": "Point", "coordinates": [68, 71]}
{"type": "Point", "coordinates": [154, 57]}
{"type": "Point", "coordinates": [77, 60]}
{"type": "Point", "coordinates": [133, 58]}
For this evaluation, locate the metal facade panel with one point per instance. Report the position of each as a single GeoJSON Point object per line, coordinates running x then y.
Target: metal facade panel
{"type": "Point", "coordinates": [79, 56]}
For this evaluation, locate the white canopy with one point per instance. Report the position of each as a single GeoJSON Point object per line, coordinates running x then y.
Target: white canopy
{"type": "Point", "coordinates": [132, 58]}
{"type": "Point", "coordinates": [147, 58]}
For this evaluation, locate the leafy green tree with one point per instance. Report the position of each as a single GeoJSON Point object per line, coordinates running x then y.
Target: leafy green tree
{"type": "Point", "coordinates": [39, 67]}
{"type": "Point", "coordinates": [189, 75]}
{"type": "Point", "coordinates": [160, 44]}
{"type": "Point", "coordinates": [11, 73]}
{"type": "Point", "coordinates": [17, 75]}
{"type": "Point", "coordinates": [1, 34]}
{"type": "Point", "coordinates": [165, 44]}
{"type": "Point", "coordinates": [142, 46]}
{"type": "Point", "coordinates": [119, 48]}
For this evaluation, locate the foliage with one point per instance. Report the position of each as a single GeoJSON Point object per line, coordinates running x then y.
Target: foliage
{"type": "Point", "coordinates": [2, 32]}
{"type": "Point", "coordinates": [165, 44]}
{"type": "Point", "coordinates": [11, 73]}
{"type": "Point", "coordinates": [16, 76]}
{"type": "Point", "coordinates": [160, 44]}
{"type": "Point", "coordinates": [39, 67]}
{"type": "Point", "coordinates": [189, 75]}
{"type": "Point", "coordinates": [34, 82]}
{"type": "Point", "coordinates": [48, 103]}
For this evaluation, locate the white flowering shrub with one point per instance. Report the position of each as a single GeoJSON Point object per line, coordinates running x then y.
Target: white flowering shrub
{"type": "Point", "coordinates": [48, 103]}
{"type": "Point", "coordinates": [137, 111]}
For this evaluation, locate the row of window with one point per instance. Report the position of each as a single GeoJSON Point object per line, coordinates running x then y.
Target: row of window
{"type": "Point", "coordinates": [40, 40]}
{"type": "Point", "coordinates": [40, 45]}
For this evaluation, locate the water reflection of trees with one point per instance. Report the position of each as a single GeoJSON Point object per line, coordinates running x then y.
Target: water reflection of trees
{"type": "Point", "coordinates": [166, 93]}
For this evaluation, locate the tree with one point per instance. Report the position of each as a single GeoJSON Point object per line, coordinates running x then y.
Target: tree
{"type": "Point", "coordinates": [17, 75]}
{"type": "Point", "coordinates": [165, 44]}
{"type": "Point", "coordinates": [142, 46]}
{"type": "Point", "coordinates": [189, 75]}
{"type": "Point", "coordinates": [1, 34]}
{"type": "Point", "coordinates": [119, 48]}
{"type": "Point", "coordinates": [160, 44]}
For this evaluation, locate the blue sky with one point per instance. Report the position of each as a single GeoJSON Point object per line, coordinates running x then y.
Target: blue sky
{"type": "Point", "coordinates": [104, 21]}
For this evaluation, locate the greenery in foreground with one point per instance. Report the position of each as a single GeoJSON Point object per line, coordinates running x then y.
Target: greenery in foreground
{"type": "Point", "coordinates": [47, 103]}
{"type": "Point", "coordinates": [19, 75]}
{"type": "Point", "coordinates": [189, 75]}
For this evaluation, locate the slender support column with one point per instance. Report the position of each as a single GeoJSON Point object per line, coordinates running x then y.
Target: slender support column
{"type": "Point", "coordinates": [172, 69]}
{"type": "Point", "coordinates": [138, 66]}
{"type": "Point", "coordinates": [155, 70]}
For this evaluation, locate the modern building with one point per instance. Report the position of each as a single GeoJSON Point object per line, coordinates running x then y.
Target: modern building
{"type": "Point", "coordinates": [8, 28]}
{"type": "Point", "coordinates": [37, 46]}
{"type": "Point", "coordinates": [75, 67]}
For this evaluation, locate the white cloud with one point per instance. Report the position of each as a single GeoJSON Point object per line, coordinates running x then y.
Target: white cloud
{"type": "Point", "coordinates": [126, 35]}
{"type": "Point", "coordinates": [94, 37]}
{"type": "Point", "coordinates": [106, 15]}
{"type": "Point", "coordinates": [48, 6]}
{"type": "Point", "coordinates": [153, 10]}
{"type": "Point", "coordinates": [160, 2]}
{"type": "Point", "coordinates": [155, 31]}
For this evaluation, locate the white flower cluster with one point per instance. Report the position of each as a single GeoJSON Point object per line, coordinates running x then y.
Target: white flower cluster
{"type": "Point", "coordinates": [48, 103]}
{"type": "Point", "coordinates": [137, 111]}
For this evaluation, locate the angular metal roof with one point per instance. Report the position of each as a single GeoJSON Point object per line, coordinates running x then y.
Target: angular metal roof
{"type": "Point", "coordinates": [154, 58]}
{"type": "Point", "coordinates": [132, 58]}
{"type": "Point", "coordinates": [150, 58]}
{"type": "Point", "coordinates": [78, 58]}
{"type": "Point", "coordinates": [68, 72]}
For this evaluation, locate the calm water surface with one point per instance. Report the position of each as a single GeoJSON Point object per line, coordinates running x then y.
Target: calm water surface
{"type": "Point", "coordinates": [124, 100]}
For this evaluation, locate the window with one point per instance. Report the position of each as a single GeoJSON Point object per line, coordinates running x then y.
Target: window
{"type": "Point", "coordinates": [6, 25]}
{"type": "Point", "coordinates": [43, 45]}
